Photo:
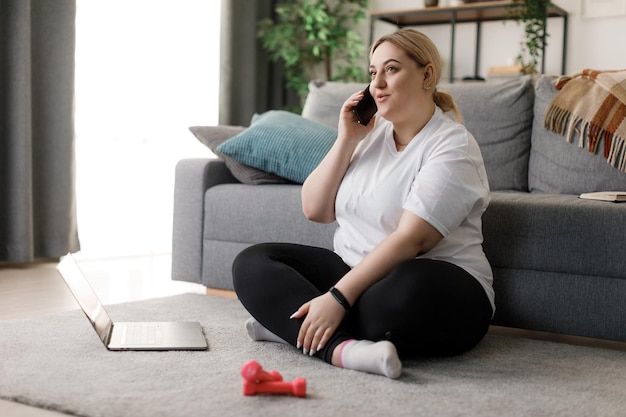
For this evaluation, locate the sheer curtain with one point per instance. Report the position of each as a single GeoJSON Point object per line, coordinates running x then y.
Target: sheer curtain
{"type": "Point", "coordinates": [146, 70]}
{"type": "Point", "coordinates": [37, 183]}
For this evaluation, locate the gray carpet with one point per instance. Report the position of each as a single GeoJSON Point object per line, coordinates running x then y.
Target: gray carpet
{"type": "Point", "coordinates": [57, 362]}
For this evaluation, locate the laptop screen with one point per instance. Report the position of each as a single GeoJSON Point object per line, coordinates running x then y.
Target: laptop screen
{"type": "Point", "coordinates": [85, 296]}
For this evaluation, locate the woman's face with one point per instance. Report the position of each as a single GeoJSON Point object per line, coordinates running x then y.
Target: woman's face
{"type": "Point", "coordinates": [398, 84]}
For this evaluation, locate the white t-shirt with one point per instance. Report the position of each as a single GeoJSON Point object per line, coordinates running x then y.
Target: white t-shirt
{"type": "Point", "coordinates": [440, 176]}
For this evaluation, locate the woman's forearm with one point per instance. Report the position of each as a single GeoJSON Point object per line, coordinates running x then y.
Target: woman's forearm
{"type": "Point", "coordinates": [320, 188]}
{"type": "Point", "coordinates": [413, 237]}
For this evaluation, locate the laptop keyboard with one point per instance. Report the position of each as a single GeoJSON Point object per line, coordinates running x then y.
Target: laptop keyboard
{"type": "Point", "coordinates": [141, 334]}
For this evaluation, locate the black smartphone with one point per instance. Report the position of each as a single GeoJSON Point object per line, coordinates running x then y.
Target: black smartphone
{"type": "Point", "coordinates": [366, 108]}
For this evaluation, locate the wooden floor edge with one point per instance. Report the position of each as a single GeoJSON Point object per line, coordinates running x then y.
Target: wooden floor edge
{"type": "Point", "coordinates": [221, 293]}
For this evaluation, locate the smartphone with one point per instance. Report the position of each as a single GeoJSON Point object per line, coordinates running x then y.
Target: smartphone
{"type": "Point", "coordinates": [366, 108]}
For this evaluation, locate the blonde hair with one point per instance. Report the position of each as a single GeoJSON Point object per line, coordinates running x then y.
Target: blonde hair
{"type": "Point", "coordinates": [420, 49]}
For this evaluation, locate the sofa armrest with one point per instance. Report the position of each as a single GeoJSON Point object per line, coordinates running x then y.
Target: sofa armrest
{"type": "Point", "coordinates": [192, 178]}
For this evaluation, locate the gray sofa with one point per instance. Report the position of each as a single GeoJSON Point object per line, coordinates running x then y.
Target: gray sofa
{"type": "Point", "coordinates": [559, 261]}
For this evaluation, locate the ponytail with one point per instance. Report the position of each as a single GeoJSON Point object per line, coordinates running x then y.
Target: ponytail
{"type": "Point", "coordinates": [445, 102]}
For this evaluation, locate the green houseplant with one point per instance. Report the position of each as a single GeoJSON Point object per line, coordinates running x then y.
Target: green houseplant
{"type": "Point", "coordinates": [315, 39]}
{"type": "Point", "coordinates": [533, 14]}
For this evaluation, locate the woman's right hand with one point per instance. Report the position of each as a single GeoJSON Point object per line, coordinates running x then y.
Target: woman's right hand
{"type": "Point", "coordinates": [319, 191]}
{"type": "Point", "coordinates": [349, 128]}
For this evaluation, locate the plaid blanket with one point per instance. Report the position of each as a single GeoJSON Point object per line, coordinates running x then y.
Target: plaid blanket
{"type": "Point", "coordinates": [592, 106]}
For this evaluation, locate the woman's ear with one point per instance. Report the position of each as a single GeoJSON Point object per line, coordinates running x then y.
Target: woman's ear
{"type": "Point", "coordinates": [429, 75]}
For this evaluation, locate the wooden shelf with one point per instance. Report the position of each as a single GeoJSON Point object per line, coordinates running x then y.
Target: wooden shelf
{"type": "Point", "coordinates": [467, 13]}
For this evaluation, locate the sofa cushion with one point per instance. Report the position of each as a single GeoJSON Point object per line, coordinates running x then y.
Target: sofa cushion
{"type": "Point", "coordinates": [555, 233]}
{"type": "Point", "coordinates": [243, 215]}
{"type": "Point", "coordinates": [324, 100]}
{"type": "Point", "coordinates": [214, 136]}
{"type": "Point", "coordinates": [559, 167]}
{"type": "Point", "coordinates": [282, 143]}
{"type": "Point", "coordinates": [499, 115]}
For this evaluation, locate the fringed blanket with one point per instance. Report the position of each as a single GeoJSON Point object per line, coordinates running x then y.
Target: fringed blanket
{"type": "Point", "coordinates": [592, 106]}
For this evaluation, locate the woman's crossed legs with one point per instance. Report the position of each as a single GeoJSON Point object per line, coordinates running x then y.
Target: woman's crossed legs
{"type": "Point", "coordinates": [423, 307]}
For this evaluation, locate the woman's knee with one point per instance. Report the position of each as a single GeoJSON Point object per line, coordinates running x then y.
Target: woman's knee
{"type": "Point", "coordinates": [428, 306]}
{"type": "Point", "coordinates": [248, 264]}
{"type": "Point", "coordinates": [270, 263]}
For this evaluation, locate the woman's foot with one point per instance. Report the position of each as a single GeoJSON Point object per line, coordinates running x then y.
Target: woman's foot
{"type": "Point", "coordinates": [379, 358]}
{"type": "Point", "coordinates": [260, 334]}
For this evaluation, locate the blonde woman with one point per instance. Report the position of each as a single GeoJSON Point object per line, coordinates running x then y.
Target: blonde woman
{"type": "Point", "coordinates": [408, 276]}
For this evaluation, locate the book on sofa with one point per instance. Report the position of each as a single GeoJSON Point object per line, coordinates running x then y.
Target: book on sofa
{"type": "Point", "coordinates": [616, 196]}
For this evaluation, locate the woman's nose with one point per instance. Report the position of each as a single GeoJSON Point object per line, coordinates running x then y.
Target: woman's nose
{"type": "Point", "coordinates": [377, 81]}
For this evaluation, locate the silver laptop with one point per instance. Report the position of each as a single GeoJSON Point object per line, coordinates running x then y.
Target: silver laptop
{"type": "Point", "coordinates": [128, 335]}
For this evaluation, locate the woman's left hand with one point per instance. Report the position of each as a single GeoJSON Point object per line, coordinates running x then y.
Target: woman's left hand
{"type": "Point", "coordinates": [323, 316]}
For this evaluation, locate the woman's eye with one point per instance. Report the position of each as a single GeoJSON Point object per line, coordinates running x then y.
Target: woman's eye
{"type": "Point", "coordinates": [390, 69]}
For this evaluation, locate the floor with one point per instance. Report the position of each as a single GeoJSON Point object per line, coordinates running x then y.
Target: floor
{"type": "Point", "coordinates": [32, 290]}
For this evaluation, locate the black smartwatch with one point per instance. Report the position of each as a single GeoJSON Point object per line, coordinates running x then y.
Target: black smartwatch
{"type": "Point", "coordinates": [343, 301]}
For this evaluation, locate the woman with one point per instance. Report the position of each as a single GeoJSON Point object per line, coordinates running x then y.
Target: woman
{"type": "Point", "coordinates": [408, 276]}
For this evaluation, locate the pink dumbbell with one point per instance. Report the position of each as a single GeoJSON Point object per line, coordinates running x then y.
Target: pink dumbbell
{"type": "Point", "coordinates": [253, 372]}
{"type": "Point", "coordinates": [297, 387]}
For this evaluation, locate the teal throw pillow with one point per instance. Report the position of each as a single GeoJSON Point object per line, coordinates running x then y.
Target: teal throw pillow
{"type": "Point", "coordinates": [282, 143]}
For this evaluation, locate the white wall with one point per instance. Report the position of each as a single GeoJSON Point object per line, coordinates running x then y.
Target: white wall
{"type": "Point", "coordinates": [598, 43]}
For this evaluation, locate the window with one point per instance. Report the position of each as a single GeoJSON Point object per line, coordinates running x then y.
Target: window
{"type": "Point", "coordinates": [146, 70]}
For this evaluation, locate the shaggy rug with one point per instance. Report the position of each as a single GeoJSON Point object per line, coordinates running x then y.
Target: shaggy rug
{"type": "Point", "coordinates": [57, 362]}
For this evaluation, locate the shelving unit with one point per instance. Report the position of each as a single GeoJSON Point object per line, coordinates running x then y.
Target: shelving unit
{"type": "Point", "coordinates": [466, 13]}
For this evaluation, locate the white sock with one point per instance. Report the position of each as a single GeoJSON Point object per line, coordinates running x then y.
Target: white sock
{"type": "Point", "coordinates": [379, 358]}
{"type": "Point", "coordinates": [260, 334]}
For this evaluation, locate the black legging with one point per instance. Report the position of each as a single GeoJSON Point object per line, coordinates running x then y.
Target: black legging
{"type": "Point", "coordinates": [424, 307]}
